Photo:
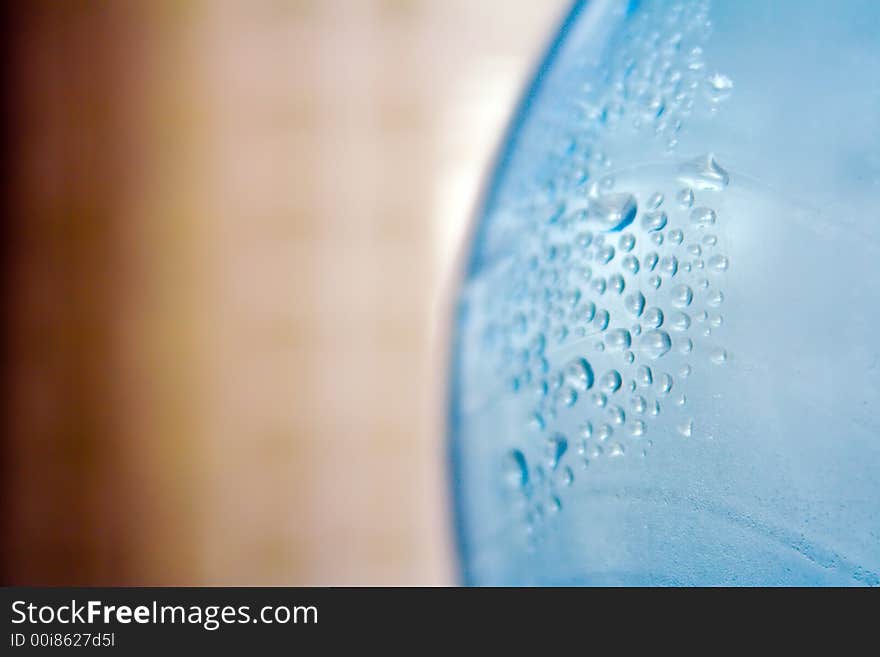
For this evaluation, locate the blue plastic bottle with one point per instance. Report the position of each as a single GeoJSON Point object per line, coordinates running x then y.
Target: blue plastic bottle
{"type": "Point", "coordinates": [667, 340]}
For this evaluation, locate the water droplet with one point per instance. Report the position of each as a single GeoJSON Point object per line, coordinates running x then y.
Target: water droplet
{"type": "Point", "coordinates": [605, 254]}
{"type": "Point", "coordinates": [604, 432]}
{"type": "Point", "coordinates": [638, 404]}
{"type": "Point", "coordinates": [629, 357]}
{"type": "Point", "coordinates": [655, 343]}
{"type": "Point", "coordinates": [616, 450]}
{"type": "Point", "coordinates": [676, 236]}
{"type": "Point", "coordinates": [618, 340]}
{"type": "Point", "coordinates": [616, 283]}
{"type": "Point", "coordinates": [566, 476]}
{"type": "Point", "coordinates": [626, 242]}
{"type": "Point", "coordinates": [538, 421]}
{"type": "Point", "coordinates": [681, 296]}
{"type": "Point", "coordinates": [654, 281]}
{"type": "Point", "coordinates": [686, 346]}
{"type": "Point", "coordinates": [682, 399]}
{"type": "Point", "coordinates": [607, 182]}
{"type": "Point", "coordinates": [636, 428]}
{"type": "Point", "coordinates": [718, 87]}
{"type": "Point", "coordinates": [613, 212]}
{"type": "Point", "coordinates": [653, 317]}
{"type": "Point", "coordinates": [679, 321]}
{"type": "Point", "coordinates": [635, 303]}
{"type": "Point", "coordinates": [718, 356]}
{"type": "Point", "coordinates": [703, 173]}
{"type": "Point", "coordinates": [610, 381]}
{"type": "Point", "coordinates": [516, 469]}
{"type": "Point", "coordinates": [685, 371]}
{"type": "Point", "coordinates": [655, 200]}
{"type": "Point", "coordinates": [650, 261]}
{"type": "Point", "coordinates": [694, 250]}
{"type": "Point", "coordinates": [686, 428]}
{"type": "Point", "coordinates": [598, 285]}
{"type": "Point", "coordinates": [579, 374]}
{"type": "Point", "coordinates": [585, 312]}
{"type": "Point", "coordinates": [584, 239]}
{"type": "Point", "coordinates": [636, 329]}
{"type": "Point", "coordinates": [719, 263]}
{"type": "Point", "coordinates": [710, 240]}
{"type": "Point", "coordinates": [657, 238]}
{"type": "Point", "coordinates": [556, 447]}
{"type": "Point", "coordinates": [669, 265]}
{"type": "Point", "coordinates": [601, 320]}
{"type": "Point", "coordinates": [644, 376]}
{"type": "Point", "coordinates": [616, 415]}
{"type": "Point", "coordinates": [703, 216]}
{"type": "Point", "coordinates": [715, 298]}
{"type": "Point", "coordinates": [561, 333]}
{"type": "Point", "coordinates": [631, 264]}
{"type": "Point", "coordinates": [569, 397]}
{"type": "Point", "coordinates": [653, 221]}
{"type": "Point", "coordinates": [685, 197]}
{"type": "Point", "coordinates": [716, 320]}
{"type": "Point", "coordinates": [665, 383]}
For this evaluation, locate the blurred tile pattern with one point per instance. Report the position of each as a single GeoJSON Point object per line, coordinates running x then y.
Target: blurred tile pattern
{"type": "Point", "coordinates": [305, 172]}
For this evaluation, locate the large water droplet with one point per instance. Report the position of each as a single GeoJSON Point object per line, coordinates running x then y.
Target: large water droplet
{"type": "Point", "coordinates": [631, 264]}
{"type": "Point", "coordinates": [655, 200]}
{"type": "Point", "coordinates": [618, 340]}
{"type": "Point", "coordinates": [611, 381]}
{"type": "Point", "coordinates": [679, 321]}
{"type": "Point", "coordinates": [655, 343]}
{"type": "Point", "coordinates": [703, 173]}
{"type": "Point", "coordinates": [703, 216]}
{"type": "Point", "coordinates": [605, 254]}
{"type": "Point", "coordinates": [579, 374]}
{"type": "Point", "coordinates": [685, 197]}
{"type": "Point", "coordinates": [635, 303]}
{"type": "Point", "coordinates": [613, 212]}
{"type": "Point", "coordinates": [653, 317]}
{"type": "Point", "coordinates": [669, 265]}
{"type": "Point", "coordinates": [653, 221]}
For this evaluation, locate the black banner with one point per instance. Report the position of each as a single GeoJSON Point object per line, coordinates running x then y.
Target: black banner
{"type": "Point", "coordinates": [147, 620]}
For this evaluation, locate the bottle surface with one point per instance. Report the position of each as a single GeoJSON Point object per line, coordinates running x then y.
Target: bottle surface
{"type": "Point", "coordinates": [666, 362]}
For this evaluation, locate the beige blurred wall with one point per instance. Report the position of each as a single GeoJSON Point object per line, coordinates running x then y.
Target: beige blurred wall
{"type": "Point", "coordinates": [303, 174]}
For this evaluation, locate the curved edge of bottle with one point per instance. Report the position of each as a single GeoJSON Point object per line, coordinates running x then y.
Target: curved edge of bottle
{"type": "Point", "coordinates": [487, 198]}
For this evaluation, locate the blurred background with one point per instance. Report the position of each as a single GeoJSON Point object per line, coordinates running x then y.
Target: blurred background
{"type": "Point", "coordinates": [229, 240]}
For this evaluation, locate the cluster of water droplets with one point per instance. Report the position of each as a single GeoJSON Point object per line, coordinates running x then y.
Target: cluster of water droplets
{"type": "Point", "coordinates": [593, 322]}
{"type": "Point", "coordinates": [601, 319]}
